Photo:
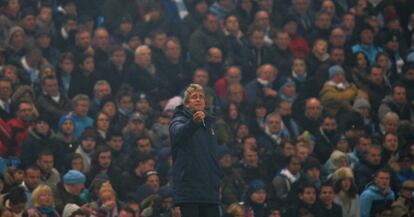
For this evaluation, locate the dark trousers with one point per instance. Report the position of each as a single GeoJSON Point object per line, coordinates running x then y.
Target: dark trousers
{"type": "Point", "coordinates": [199, 210]}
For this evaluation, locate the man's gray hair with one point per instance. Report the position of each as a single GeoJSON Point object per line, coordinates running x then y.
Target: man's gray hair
{"type": "Point", "coordinates": [140, 48]}
{"type": "Point", "coordinates": [79, 97]}
{"type": "Point", "coordinates": [100, 83]}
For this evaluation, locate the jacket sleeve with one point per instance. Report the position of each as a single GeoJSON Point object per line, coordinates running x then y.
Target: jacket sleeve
{"type": "Point", "coordinates": [365, 204]}
{"type": "Point", "coordinates": [181, 129]}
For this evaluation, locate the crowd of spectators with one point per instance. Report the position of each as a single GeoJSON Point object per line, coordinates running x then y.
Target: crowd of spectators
{"type": "Point", "coordinates": [313, 99]}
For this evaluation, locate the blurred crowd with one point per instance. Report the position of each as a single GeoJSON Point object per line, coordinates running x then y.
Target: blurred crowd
{"type": "Point", "coordinates": [313, 100]}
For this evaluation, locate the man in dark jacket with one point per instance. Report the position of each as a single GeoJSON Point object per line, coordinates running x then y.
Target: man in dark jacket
{"type": "Point", "coordinates": [51, 101]}
{"type": "Point", "coordinates": [70, 189]}
{"type": "Point", "coordinates": [207, 36]}
{"type": "Point", "coordinates": [196, 173]}
{"type": "Point", "coordinates": [40, 139]}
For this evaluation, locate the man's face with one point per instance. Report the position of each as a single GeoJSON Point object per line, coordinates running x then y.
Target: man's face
{"type": "Point", "coordinates": [126, 102]}
{"type": "Point", "coordinates": [45, 163]}
{"type": "Point", "coordinates": [102, 90]}
{"type": "Point", "coordinates": [313, 109]}
{"type": "Point", "coordinates": [257, 39]}
{"type": "Point", "coordinates": [148, 165]}
{"type": "Point", "coordinates": [302, 153]}
{"type": "Point", "coordinates": [382, 180]}
{"type": "Point", "coordinates": [201, 77]}
{"type": "Point", "coordinates": [211, 23]}
{"type": "Point", "coordinates": [116, 143]}
{"type": "Point", "coordinates": [233, 75]}
{"type": "Point", "coordinates": [42, 127]}
{"type": "Point", "coordinates": [299, 66]}
{"type": "Point", "coordinates": [349, 21]}
{"type": "Point", "coordinates": [215, 55]}
{"type": "Point", "coordinates": [50, 87]}
{"type": "Point", "coordinates": [235, 94]}
{"type": "Point", "coordinates": [76, 189]}
{"type": "Point", "coordinates": [32, 178]}
{"type": "Point", "coordinates": [337, 37]}
{"type": "Point", "coordinates": [5, 90]}
{"type": "Point", "coordinates": [327, 195]}
{"type": "Point", "coordinates": [314, 173]}
{"type": "Point", "coordinates": [367, 36]}
{"type": "Point", "coordinates": [391, 142]}
{"type": "Point", "coordinates": [82, 108]}
{"type": "Point", "coordinates": [232, 24]}
{"type": "Point", "coordinates": [101, 38]}
{"type": "Point", "coordinates": [409, 75]}
{"type": "Point", "coordinates": [105, 159]}
{"type": "Point", "coordinates": [144, 57]}
{"type": "Point", "coordinates": [274, 123]}
{"type": "Point", "coordinates": [338, 56]}
{"type": "Point", "coordinates": [144, 146]}
{"type": "Point", "coordinates": [374, 156]}
{"type": "Point", "coordinates": [196, 101]}
{"type": "Point", "coordinates": [225, 161]}
{"type": "Point", "coordinates": [251, 158]}
{"type": "Point", "coordinates": [154, 182]}
{"type": "Point", "coordinates": [29, 22]}
{"type": "Point", "coordinates": [67, 65]}
{"type": "Point", "coordinates": [258, 197]}
{"type": "Point", "coordinates": [25, 112]}
{"type": "Point", "coordinates": [84, 40]}
{"type": "Point", "coordinates": [376, 76]}
{"type": "Point", "coordinates": [172, 50]}
{"type": "Point", "coordinates": [399, 95]}
{"type": "Point", "coordinates": [308, 196]}
{"type": "Point", "coordinates": [282, 40]}
{"type": "Point", "coordinates": [301, 6]}
{"type": "Point", "coordinates": [88, 144]}
{"type": "Point", "coordinates": [43, 41]}
{"type": "Point", "coordinates": [159, 40]}
{"type": "Point", "coordinates": [118, 58]}
{"type": "Point", "coordinates": [324, 21]}
{"type": "Point", "coordinates": [266, 5]}
{"type": "Point", "coordinates": [262, 19]}
{"type": "Point", "coordinates": [285, 108]}
{"type": "Point", "coordinates": [363, 144]}
{"type": "Point", "coordinates": [329, 124]}
{"type": "Point", "coordinates": [321, 47]}
{"type": "Point", "coordinates": [294, 166]}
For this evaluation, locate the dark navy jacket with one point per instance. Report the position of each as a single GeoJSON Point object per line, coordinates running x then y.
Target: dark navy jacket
{"type": "Point", "coordinates": [196, 173]}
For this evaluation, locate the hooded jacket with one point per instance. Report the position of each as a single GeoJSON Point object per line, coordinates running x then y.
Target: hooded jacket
{"type": "Point", "coordinates": [196, 173]}
{"type": "Point", "coordinates": [372, 197]}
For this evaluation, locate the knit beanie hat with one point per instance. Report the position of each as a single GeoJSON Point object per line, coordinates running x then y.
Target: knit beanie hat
{"type": "Point", "coordinates": [65, 118]}
{"type": "Point", "coordinates": [73, 177]}
{"type": "Point", "coordinates": [335, 69]}
{"type": "Point", "coordinates": [361, 103]}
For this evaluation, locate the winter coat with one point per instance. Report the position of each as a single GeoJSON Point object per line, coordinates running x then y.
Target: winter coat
{"type": "Point", "coordinates": [373, 197]}
{"type": "Point", "coordinates": [351, 211]}
{"type": "Point", "coordinates": [46, 105]}
{"type": "Point", "coordinates": [196, 174]}
{"type": "Point", "coordinates": [334, 99]}
{"type": "Point", "coordinates": [35, 144]}
{"type": "Point", "coordinates": [20, 131]}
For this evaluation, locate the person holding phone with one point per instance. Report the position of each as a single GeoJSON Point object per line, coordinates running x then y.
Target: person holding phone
{"type": "Point", "coordinates": [196, 172]}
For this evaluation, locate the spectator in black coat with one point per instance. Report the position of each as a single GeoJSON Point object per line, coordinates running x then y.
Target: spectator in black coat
{"type": "Point", "coordinates": [207, 36]}
{"type": "Point", "coordinates": [282, 58]}
{"type": "Point", "coordinates": [40, 139]}
{"type": "Point", "coordinates": [115, 70]}
{"type": "Point", "coordinates": [327, 206]}
{"type": "Point", "coordinates": [84, 78]}
{"type": "Point", "coordinates": [102, 164]}
{"type": "Point", "coordinates": [51, 102]}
